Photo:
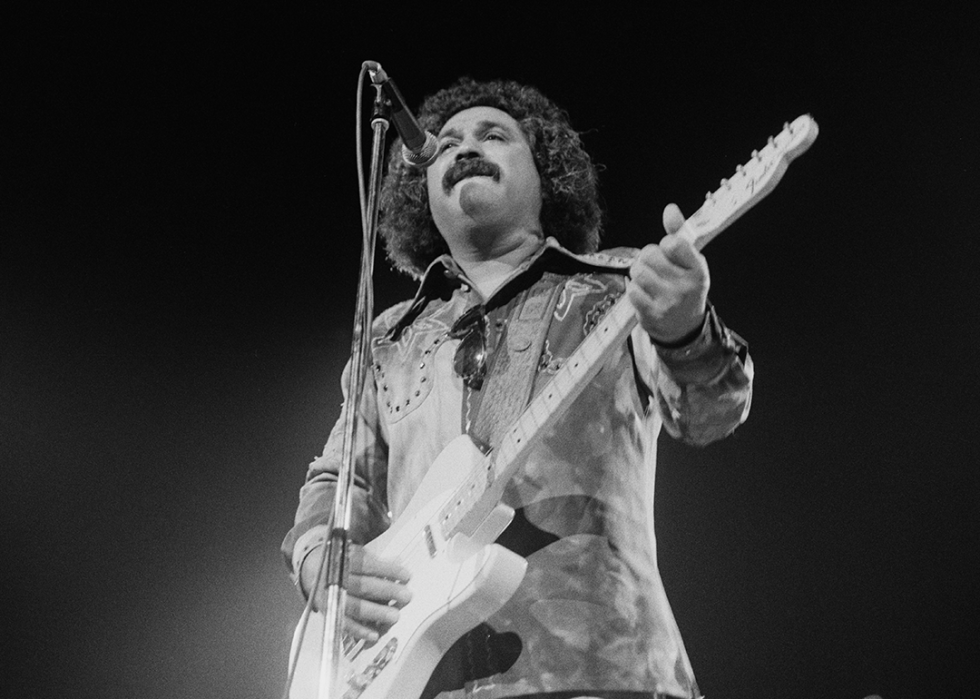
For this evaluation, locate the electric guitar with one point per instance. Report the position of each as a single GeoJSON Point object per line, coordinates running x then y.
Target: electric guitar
{"type": "Point", "coordinates": [445, 536]}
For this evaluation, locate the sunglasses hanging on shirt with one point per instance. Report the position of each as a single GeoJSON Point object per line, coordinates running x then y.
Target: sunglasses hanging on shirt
{"type": "Point", "coordinates": [470, 360]}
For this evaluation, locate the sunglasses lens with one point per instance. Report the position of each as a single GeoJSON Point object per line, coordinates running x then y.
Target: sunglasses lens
{"type": "Point", "coordinates": [470, 360]}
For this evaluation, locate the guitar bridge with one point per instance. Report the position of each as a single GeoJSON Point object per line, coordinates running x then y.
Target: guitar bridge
{"type": "Point", "coordinates": [356, 684]}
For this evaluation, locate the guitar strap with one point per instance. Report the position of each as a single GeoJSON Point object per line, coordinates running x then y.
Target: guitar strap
{"type": "Point", "coordinates": [510, 377]}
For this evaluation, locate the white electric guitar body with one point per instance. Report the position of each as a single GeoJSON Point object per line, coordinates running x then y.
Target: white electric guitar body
{"type": "Point", "coordinates": [445, 536]}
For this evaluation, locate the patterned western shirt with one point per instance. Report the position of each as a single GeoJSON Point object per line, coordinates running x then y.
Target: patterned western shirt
{"type": "Point", "coordinates": [591, 612]}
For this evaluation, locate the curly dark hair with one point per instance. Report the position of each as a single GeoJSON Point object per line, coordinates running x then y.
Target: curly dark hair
{"type": "Point", "coordinates": [569, 186]}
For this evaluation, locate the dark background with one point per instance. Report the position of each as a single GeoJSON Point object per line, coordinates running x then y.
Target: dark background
{"type": "Point", "coordinates": [180, 240]}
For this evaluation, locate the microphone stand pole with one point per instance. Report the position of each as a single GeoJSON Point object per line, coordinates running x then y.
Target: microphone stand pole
{"type": "Point", "coordinates": [337, 546]}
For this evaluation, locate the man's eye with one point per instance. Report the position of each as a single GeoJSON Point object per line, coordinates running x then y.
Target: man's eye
{"type": "Point", "coordinates": [493, 135]}
{"type": "Point", "coordinates": [445, 145]}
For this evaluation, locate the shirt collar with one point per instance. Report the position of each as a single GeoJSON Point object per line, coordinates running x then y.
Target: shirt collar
{"type": "Point", "coordinates": [444, 274]}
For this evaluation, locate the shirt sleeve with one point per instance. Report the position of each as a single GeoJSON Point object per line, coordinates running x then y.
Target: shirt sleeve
{"type": "Point", "coordinates": [316, 497]}
{"type": "Point", "coordinates": [703, 390]}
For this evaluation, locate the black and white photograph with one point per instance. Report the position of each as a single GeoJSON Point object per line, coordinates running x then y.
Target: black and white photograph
{"type": "Point", "coordinates": [640, 345]}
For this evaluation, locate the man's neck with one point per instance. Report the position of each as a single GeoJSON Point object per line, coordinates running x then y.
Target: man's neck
{"type": "Point", "coordinates": [488, 268]}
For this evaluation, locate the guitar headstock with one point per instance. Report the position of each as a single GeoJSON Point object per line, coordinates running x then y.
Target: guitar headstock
{"type": "Point", "coordinates": [751, 181]}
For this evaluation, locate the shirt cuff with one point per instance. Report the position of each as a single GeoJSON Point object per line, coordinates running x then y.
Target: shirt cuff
{"type": "Point", "coordinates": [308, 542]}
{"type": "Point", "coordinates": [704, 356]}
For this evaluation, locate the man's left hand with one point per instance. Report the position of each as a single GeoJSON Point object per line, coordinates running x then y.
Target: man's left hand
{"type": "Point", "coordinates": [669, 284]}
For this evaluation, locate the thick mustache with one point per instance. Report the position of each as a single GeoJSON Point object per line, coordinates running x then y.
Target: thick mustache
{"type": "Point", "coordinates": [468, 168]}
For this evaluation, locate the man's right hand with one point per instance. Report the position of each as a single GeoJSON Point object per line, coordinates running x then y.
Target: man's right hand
{"type": "Point", "coordinates": [376, 590]}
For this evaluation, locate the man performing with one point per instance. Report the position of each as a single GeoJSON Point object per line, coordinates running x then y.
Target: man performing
{"type": "Point", "coordinates": [505, 220]}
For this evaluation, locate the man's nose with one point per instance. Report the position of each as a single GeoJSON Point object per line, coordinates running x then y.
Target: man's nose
{"type": "Point", "coordinates": [470, 148]}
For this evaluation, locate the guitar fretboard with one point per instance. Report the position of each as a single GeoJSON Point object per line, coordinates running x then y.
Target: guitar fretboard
{"type": "Point", "coordinates": [483, 488]}
{"type": "Point", "coordinates": [479, 494]}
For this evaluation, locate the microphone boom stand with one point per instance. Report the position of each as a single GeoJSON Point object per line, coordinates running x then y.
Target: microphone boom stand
{"type": "Point", "coordinates": [336, 555]}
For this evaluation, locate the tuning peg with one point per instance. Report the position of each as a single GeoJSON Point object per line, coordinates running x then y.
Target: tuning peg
{"type": "Point", "coordinates": [755, 155]}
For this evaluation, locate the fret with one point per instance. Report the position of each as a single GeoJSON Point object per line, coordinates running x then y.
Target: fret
{"type": "Point", "coordinates": [537, 414]}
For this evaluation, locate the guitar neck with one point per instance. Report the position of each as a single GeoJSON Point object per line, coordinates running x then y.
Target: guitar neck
{"type": "Point", "coordinates": [752, 181]}
{"type": "Point", "coordinates": [544, 410]}
{"type": "Point", "coordinates": [485, 488]}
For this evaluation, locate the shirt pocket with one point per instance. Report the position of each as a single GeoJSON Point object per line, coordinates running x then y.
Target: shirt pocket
{"type": "Point", "coordinates": [403, 373]}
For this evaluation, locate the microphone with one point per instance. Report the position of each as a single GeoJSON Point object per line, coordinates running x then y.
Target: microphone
{"type": "Point", "coordinates": [420, 146]}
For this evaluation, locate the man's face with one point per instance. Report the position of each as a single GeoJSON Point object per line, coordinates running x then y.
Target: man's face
{"type": "Point", "coordinates": [484, 177]}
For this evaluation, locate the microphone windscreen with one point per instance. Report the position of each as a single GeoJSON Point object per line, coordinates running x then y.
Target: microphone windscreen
{"type": "Point", "coordinates": [425, 156]}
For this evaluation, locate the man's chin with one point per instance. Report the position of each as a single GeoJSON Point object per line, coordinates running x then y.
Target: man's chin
{"type": "Point", "coordinates": [475, 197]}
